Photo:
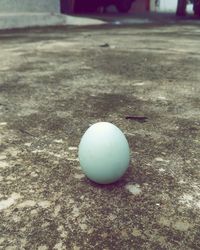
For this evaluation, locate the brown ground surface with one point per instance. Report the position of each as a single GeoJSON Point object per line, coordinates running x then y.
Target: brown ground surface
{"type": "Point", "coordinates": [54, 83]}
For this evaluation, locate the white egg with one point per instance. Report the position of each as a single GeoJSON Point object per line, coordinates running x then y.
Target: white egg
{"type": "Point", "coordinates": [104, 153]}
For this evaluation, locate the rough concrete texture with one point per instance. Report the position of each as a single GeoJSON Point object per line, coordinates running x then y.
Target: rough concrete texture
{"type": "Point", "coordinates": [54, 83]}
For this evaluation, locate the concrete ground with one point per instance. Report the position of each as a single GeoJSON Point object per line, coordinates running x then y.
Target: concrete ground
{"type": "Point", "coordinates": [54, 83]}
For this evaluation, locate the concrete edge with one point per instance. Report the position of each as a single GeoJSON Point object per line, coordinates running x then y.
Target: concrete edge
{"type": "Point", "coordinates": [26, 20]}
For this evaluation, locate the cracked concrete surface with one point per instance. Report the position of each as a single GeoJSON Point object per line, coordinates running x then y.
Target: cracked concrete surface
{"type": "Point", "coordinates": [54, 83]}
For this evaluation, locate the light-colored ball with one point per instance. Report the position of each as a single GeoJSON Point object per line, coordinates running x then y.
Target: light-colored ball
{"type": "Point", "coordinates": [104, 153]}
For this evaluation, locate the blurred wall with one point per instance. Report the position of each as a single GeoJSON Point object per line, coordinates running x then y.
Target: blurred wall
{"type": "Point", "coordinates": [167, 6]}
{"type": "Point", "coordinates": [140, 6]}
{"type": "Point", "coordinates": [15, 6]}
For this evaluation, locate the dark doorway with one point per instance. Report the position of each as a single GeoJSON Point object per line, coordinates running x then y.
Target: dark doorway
{"type": "Point", "coordinates": [67, 6]}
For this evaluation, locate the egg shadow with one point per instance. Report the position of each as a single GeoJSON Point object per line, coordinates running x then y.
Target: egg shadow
{"type": "Point", "coordinates": [126, 178]}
